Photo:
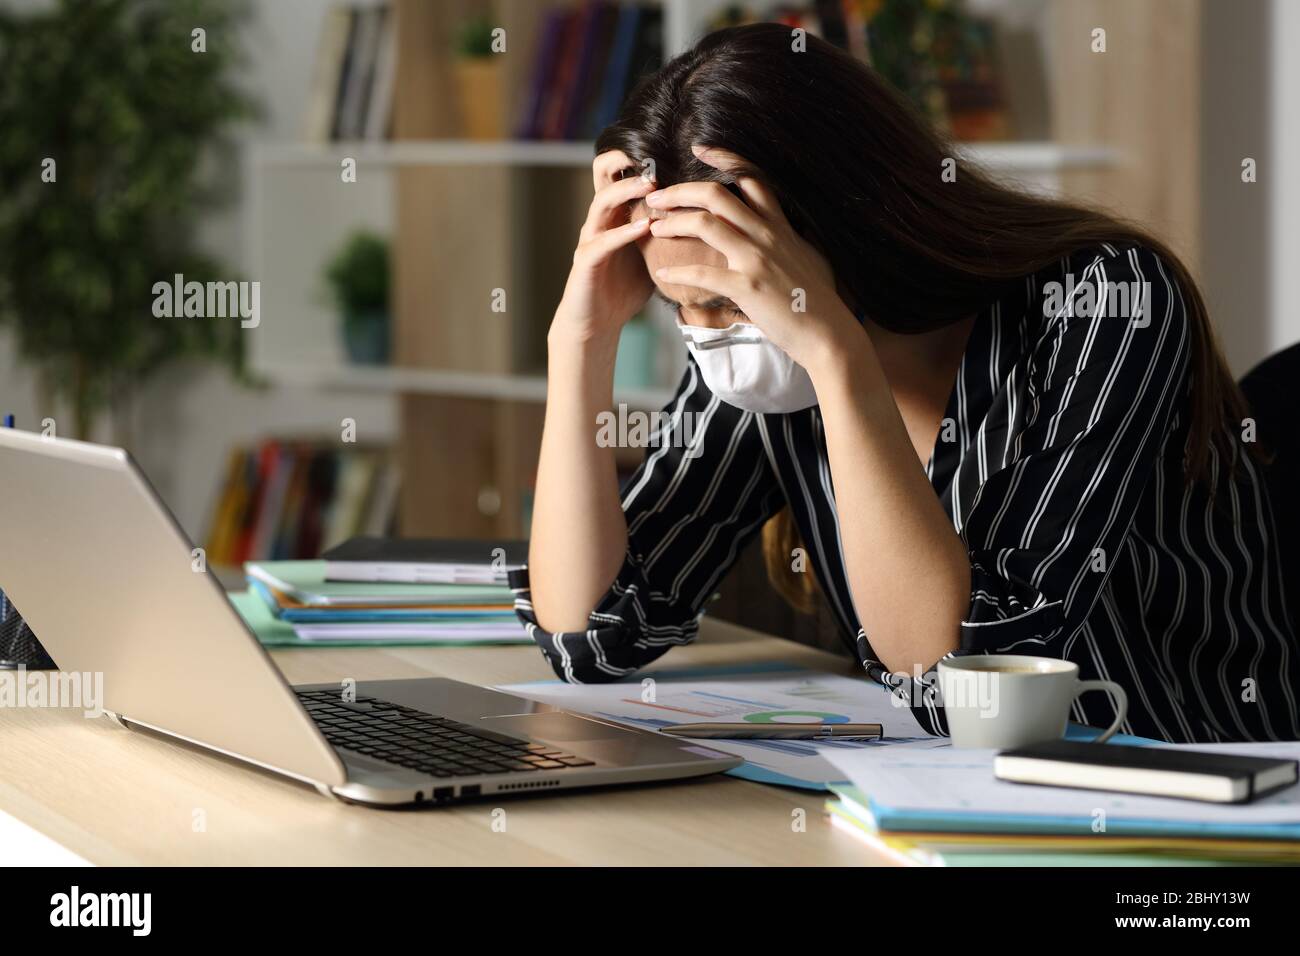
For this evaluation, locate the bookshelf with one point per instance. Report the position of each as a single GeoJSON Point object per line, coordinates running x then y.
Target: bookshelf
{"type": "Point", "coordinates": [466, 216]}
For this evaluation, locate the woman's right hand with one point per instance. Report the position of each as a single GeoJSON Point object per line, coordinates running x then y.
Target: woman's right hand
{"type": "Point", "coordinates": [608, 283]}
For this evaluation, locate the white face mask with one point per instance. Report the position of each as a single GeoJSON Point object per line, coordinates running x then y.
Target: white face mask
{"type": "Point", "coordinates": [744, 368]}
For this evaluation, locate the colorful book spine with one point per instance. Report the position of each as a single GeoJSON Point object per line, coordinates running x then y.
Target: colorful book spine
{"type": "Point", "coordinates": [292, 499]}
{"type": "Point", "coordinates": [613, 82]}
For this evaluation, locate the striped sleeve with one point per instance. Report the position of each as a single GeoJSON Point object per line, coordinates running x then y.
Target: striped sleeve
{"type": "Point", "coordinates": [1044, 530]}
{"type": "Point", "coordinates": [704, 489]}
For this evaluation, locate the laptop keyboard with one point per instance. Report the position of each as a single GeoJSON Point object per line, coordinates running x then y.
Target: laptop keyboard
{"type": "Point", "coordinates": [424, 742]}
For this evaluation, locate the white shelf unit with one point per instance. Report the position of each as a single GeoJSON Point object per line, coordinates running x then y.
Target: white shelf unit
{"type": "Point", "coordinates": [379, 378]}
{"type": "Point", "coordinates": [427, 153]}
{"type": "Point", "coordinates": [1009, 157]}
{"type": "Point", "coordinates": [291, 350]}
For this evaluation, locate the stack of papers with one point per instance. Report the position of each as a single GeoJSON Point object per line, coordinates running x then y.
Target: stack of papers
{"type": "Point", "coordinates": [938, 805]}
{"type": "Point", "coordinates": [424, 560]}
{"type": "Point", "coordinates": [290, 602]}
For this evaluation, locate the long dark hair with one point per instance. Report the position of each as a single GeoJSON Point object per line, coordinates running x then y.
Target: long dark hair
{"type": "Point", "coordinates": [857, 172]}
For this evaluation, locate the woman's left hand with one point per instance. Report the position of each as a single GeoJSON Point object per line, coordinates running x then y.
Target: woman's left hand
{"type": "Point", "coordinates": [773, 275]}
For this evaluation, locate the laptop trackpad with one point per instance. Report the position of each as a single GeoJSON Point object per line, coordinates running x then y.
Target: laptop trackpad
{"type": "Point", "coordinates": [554, 726]}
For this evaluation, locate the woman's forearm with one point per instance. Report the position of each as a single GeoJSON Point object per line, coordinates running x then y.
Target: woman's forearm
{"type": "Point", "coordinates": [907, 567]}
{"type": "Point", "coordinates": [579, 536]}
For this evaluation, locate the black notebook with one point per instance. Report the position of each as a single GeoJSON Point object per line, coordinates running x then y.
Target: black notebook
{"type": "Point", "coordinates": [1154, 771]}
{"type": "Point", "coordinates": [424, 560]}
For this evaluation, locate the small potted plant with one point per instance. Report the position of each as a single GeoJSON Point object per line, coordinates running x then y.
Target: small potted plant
{"type": "Point", "coordinates": [478, 76]}
{"type": "Point", "coordinates": [358, 277]}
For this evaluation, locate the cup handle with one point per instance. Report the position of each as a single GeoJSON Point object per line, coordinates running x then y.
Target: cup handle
{"type": "Point", "coordinates": [1086, 685]}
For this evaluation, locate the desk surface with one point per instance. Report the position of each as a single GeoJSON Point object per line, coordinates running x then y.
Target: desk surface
{"type": "Point", "coordinates": [119, 797]}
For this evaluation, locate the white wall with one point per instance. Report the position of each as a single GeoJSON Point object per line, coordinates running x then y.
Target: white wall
{"type": "Point", "coordinates": [1251, 231]}
{"type": "Point", "coordinates": [1236, 122]}
{"type": "Point", "coordinates": [1284, 315]}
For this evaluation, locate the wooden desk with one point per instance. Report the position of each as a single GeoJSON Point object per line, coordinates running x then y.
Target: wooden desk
{"type": "Point", "coordinates": [122, 797]}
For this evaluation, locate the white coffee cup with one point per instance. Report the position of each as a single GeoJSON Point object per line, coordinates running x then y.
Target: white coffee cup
{"type": "Point", "coordinates": [1012, 700]}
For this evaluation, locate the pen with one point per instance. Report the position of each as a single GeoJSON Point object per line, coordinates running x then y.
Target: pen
{"type": "Point", "coordinates": [791, 731]}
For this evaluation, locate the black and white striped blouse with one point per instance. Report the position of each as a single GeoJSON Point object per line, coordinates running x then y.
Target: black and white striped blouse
{"type": "Point", "coordinates": [1061, 468]}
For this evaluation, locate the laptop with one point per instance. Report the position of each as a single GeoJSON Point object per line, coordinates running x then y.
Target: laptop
{"type": "Point", "coordinates": [110, 584]}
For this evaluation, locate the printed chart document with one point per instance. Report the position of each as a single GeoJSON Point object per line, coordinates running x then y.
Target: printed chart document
{"type": "Point", "coordinates": [765, 693]}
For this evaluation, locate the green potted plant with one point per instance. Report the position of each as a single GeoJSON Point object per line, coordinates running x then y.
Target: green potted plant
{"type": "Point", "coordinates": [106, 110]}
{"type": "Point", "coordinates": [478, 77]}
{"type": "Point", "coordinates": [358, 278]}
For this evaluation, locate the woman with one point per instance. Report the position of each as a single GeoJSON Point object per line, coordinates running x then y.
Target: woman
{"type": "Point", "coordinates": [990, 423]}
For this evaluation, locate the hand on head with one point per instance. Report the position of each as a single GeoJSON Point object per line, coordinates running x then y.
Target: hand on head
{"type": "Point", "coordinates": [727, 253]}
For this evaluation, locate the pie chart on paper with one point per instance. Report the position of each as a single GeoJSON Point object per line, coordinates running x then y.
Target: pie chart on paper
{"type": "Point", "coordinates": [795, 717]}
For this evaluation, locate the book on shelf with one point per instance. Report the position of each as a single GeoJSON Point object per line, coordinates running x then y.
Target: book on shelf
{"type": "Point", "coordinates": [379, 107]}
{"type": "Point", "coordinates": [549, 40]}
{"type": "Point", "coordinates": [287, 499]}
{"type": "Point", "coordinates": [351, 94]}
{"type": "Point", "coordinates": [561, 78]}
{"type": "Point", "coordinates": [365, 52]}
{"type": "Point", "coordinates": [577, 98]}
{"type": "Point", "coordinates": [594, 67]}
{"type": "Point", "coordinates": [585, 61]}
{"type": "Point", "coordinates": [622, 46]}
{"type": "Point", "coordinates": [345, 75]}
{"type": "Point", "coordinates": [331, 48]}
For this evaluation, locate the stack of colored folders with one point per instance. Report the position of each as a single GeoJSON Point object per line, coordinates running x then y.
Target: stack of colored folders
{"type": "Point", "coordinates": [938, 806]}
{"type": "Point", "coordinates": [291, 603]}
